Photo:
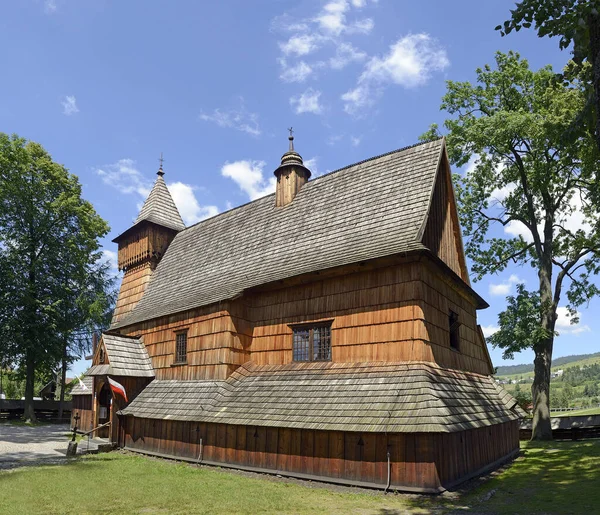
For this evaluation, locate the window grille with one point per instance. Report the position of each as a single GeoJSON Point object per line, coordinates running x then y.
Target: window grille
{"type": "Point", "coordinates": [181, 347]}
{"type": "Point", "coordinates": [312, 343]}
{"type": "Point", "coordinates": [454, 327]}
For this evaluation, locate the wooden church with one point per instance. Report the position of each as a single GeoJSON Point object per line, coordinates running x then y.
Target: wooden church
{"type": "Point", "coordinates": [327, 331]}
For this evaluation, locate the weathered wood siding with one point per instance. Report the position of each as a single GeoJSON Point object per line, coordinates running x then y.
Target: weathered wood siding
{"type": "Point", "coordinates": [394, 313]}
{"type": "Point", "coordinates": [442, 232]}
{"type": "Point", "coordinates": [82, 404]}
{"type": "Point", "coordinates": [133, 286]}
{"type": "Point", "coordinates": [438, 297]}
{"type": "Point", "coordinates": [217, 342]}
{"type": "Point", "coordinates": [420, 461]}
{"type": "Point", "coordinates": [146, 241]}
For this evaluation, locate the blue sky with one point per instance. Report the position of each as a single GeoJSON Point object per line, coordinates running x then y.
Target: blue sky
{"type": "Point", "coordinates": [107, 86]}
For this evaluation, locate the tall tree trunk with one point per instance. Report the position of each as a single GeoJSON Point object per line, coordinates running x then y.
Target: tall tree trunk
{"type": "Point", "coordinates": [540, 389]}
{"type": "Point", "coordinates": [594, 32]}
{"type": "Point", "coordinates": [540, 392]}
{"type": "Point", "coordinates": [63, 379]}
{"type": "Point", "coordinates": [29, 413]}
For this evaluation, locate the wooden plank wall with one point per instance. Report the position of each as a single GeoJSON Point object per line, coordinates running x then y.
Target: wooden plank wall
{"type": "Point", "coordinates": [82, 404]}
{"type": "Point", "coordinates": [438, 297]}
{"type": "Point", "coordinates": [422, 460]}
{"type": "Point", "coordinates": [146, 241]}
{"type": "Point", "coordinates": [218, 341]}
{"type": "Point", "coordinates": [442, 233]}
{"type": "Point", "coordinates": [395, 313]}
{"type": "Point", "coordinates": [132, 288]}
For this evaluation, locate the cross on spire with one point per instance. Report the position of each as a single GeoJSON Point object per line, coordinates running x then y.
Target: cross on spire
{"type": "Point", "coordinates": [291, 138]}
{"type": "Point", "coordinates": [160, 169]}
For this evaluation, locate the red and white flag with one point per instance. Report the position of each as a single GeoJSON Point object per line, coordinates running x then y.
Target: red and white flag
{"type": "Point", "coordinates": [117, 388]}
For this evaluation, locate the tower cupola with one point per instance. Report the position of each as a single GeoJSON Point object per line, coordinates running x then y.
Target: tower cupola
{"type": "Point", "coordinates": [291, 175]}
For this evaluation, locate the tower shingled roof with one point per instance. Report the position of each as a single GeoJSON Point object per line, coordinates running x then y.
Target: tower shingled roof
{"type": "Point", "coordinates": [160, 208]}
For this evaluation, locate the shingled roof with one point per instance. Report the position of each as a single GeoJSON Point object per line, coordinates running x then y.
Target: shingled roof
{"type": "Point", "coordinates": [371, 209]}
{"type": "Point", "coordinates": [370, 397]}
{"type": "Point", "coordinates": [160, 208]}
{"type": "Point", "coordinates": [126, 357]}
{"type": "Point", "coordinates": [88, 382]}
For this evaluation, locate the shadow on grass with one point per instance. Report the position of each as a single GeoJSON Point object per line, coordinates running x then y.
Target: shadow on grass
{"type": "Point", "coordinates": [548, 477]}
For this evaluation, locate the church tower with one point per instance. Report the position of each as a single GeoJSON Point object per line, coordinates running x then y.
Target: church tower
{"type": "Point", "coordinates": [142, 246]}
{"type": "Point", "coordinates": [291, 175]}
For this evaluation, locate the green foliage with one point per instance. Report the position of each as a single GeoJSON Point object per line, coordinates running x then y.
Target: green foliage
{"type": "Point", "coordinates": [576, 376]}
{"type": "Point", "coordinates": [577, 25]}
{"type": "Point", "coordinates": [569, 20]}
{"type": "Point", "coordinates": [534, 165]}
{"type": "Point", "coordinates": [53, 285]}
{"type": "Point", "coordinates": [528, 175]}
{"type": "Point", "coordinates": [520, 323]}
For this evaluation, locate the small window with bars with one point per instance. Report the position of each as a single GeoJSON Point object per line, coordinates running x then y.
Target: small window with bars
{"type": "Point", "coordinates": [454, 327]}
{"type": "Point", "coordinates": [181, 347]}
{"type": "Point", "coordinates": [312, 343]}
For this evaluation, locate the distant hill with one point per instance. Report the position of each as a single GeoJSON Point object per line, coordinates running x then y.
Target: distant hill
{"type": "Point", "coordinates": [558, 362]}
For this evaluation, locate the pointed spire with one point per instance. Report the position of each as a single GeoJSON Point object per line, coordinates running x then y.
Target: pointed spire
{"type": "Point", "coordinates": [159, 206]}
{"type": "Point", "coordinates": [291, 157]}
{"type": "Point", "coordinates": [160, 172]}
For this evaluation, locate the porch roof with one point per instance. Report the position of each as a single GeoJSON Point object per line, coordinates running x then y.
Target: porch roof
{"type": "Point", "coordinates": [127, 356]}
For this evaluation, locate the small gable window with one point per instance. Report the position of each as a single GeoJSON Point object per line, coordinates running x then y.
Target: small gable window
{"type": "Point", "coordinates": [312, 342]}
{"type": "Point", "coordinates": [101, 355]}
{"type": "Point", "coordinates": [454, 326]}
{"type": "Point", "coordinates": [181, 347]}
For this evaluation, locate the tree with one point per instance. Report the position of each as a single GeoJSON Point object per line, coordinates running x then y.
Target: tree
{"type": "Point", "coordinates": [86, 308]}
{"type": "Point", "coordinates": [48, 235]}
{"type": "Point", "coordinates": [575, 22]}
{"type": "Point", "coordinates": [531, 174]}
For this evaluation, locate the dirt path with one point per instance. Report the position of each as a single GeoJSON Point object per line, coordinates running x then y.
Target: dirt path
{"type": "Point", "coordinates": [24, 445]}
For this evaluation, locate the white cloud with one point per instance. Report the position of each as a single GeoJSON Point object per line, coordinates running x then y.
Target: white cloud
{"type": "Point", "coordinates": [355, 140]}
{"type": "Point", "coordinates": [500, 194]}
{"type": "Point", "coordinates": [311, 164]}
{"type": "Point", "coordinates": [345, 54]}
{"type": "Point", "coordinates": [111, 259]}
{"type": "Point", "coordinates": [235, 118]}
{"type": "Point", "coordinates": [563, 322]}
{"type": "Point", "coordinates": [361, 26]}
{"type": "Point", "coordinates": [298, 73]}
{"type": "Point", "coordinates": [187, 204]}
{"type": "Point", "coordinates": [332, 18]}
{"type": "Point", "coordinates": [409, 63]}
{"type": "Point", "coordinates": [69, 104]}
{"type": "Point", "coordinates": [127, 179]}
{"type": "Point", "coordinates": [328, 29]}
{"type": "Point", "coordinates": [307, 102]}
{"type": "Point", "coordinates": [334, 138]}
{"type": "Point", "coordinates": [488, 330]}
{"type": "Point", "coordinates": [49, 6]}
{"type": "Point", "coordinates": [505, 287]}
{"type": "Point", "coordinates": [248, 175]}
{"type": "Point", "coordinates": [300, 45]}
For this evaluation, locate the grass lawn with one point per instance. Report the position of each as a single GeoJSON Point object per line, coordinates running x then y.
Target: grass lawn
{"type": "Point", "coordinates": [555, 477]}
{"type": "Point", "coordinates": [588, 411]}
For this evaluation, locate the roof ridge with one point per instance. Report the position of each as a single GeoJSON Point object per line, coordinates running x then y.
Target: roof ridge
{"type": "Point", "coordinates": [316, 179]}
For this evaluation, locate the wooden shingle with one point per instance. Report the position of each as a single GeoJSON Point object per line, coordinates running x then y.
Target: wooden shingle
{"type": "Point", "coordinates": [369, 210]}
{"type": "Point", "coordinates": [371, 397]}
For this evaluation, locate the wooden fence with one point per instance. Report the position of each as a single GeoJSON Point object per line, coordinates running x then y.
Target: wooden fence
{"type": "Point", "coordinates": [44, 410]}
